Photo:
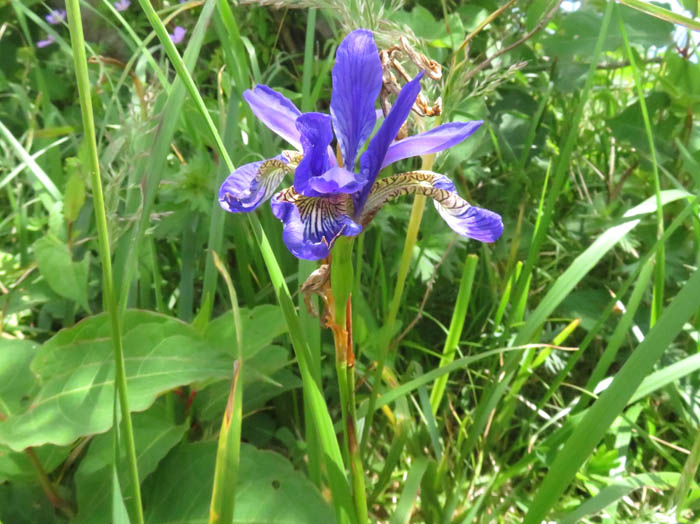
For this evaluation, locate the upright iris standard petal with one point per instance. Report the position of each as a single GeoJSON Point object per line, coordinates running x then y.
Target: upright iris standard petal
{"type": "Point", "coordinates": [371, 161]}
{"type": "Point", "coordinates": [433, 141]}
{"type": "Point", "coordinates": [465, 219]}
{"type": "Point", "coordinates": [312, 224]}
{"type": "Point", "coordinates": [252, 184]}
{"type": "Point", "coordinates": [315, 175]}
{"type": "Point", "coordinates": [357, 80]}
{"type": "Point", "coordinates": [276, 111]}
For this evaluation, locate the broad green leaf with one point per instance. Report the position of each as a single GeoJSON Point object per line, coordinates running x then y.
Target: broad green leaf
{"type": "Point", "coordinates": [269, 490]}
{"type": "Point", "coordinates": [262, 381]}
{"type": "Point", "coordinates": [155, 434]}
{"type": "Point", "coordinates": [66, 277]}
{"type": "Point", "coordinates": [74, 197]}
{"type": "Point", "coordinates": [577, 33]}
{"type": "Point", "coordinates": [76, 369]}
{"type": "Point", "coordinates": [681, 80]}
{"type": "Point", "coordinates": [25, 504]}
{"type": "Point", "coordinates": [261, 326]}
{"type": "Point", "coordinates": [17, 383]}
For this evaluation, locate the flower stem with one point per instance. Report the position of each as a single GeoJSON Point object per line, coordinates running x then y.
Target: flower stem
{"type": "Point", "coordinates": [340, 305]}
{"type": "Point", "coordinates": [81, 72]}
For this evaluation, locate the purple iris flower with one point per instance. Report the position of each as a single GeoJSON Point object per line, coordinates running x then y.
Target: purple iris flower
{"type": "Point", "coordinates": [332, 196]}
{"type": "Point", "coordinates": [46, 41]}
{"type": "Point", "coordinates": [178, 35]}
{"type": "Point", "coordinates": [122, 5]}
{"type": "Point", "coordinates": [56, 16]}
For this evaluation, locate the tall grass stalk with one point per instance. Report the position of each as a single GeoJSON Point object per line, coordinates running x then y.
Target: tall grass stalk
{"type": "Point", "coordinates": [83, 80]}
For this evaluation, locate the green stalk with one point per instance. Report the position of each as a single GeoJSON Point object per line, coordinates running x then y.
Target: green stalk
{"type": "Point", "coordinates": [342, 282]}
{"type": "Point", "coordinates": [390, 320]}
{"type": "Point", "coordinates": [658, 293]}
{"type": "Point", "coordinates": [459, 315]}
{"type": "Point", "coordinates": [81, 72]}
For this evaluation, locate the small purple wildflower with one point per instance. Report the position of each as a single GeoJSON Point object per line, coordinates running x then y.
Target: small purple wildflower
{"type": "Point", "coordinates": [46, 42]}
{"type": "Point", "coordinates": [330, 196]}
{"type": "Point", "coordinates": [122, 5]}
{"type": "Point", "coordinates": [56, 16]}
{"type": "Point", "coordinates": [178, 34]}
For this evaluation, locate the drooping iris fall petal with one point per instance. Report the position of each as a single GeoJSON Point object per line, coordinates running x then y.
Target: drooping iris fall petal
{"type": "Point", "coordinates": [312, 224]}
{"type": "Point", "coordinates": [252, 184]}
{"type": "Point", "coordinates": [464, 219]}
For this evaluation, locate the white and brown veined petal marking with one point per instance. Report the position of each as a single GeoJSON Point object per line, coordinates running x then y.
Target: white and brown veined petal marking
{"type": "Point", "coordinates": [312, 224]}
{"type": "Point", "coordinates": [465, 219]}
{"type": "Point", "coordinates": [252, 184]}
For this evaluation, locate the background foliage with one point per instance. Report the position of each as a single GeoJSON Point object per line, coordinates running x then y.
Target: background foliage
{"type": "Point", "coordinates": [570, 359]}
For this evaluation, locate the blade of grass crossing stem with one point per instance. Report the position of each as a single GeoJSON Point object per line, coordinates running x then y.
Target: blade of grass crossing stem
{"type": "Point", "coordinates": [78, 42]}
{"type": "Point", "coordinates": [610, 404]}
{"type": "Point", "coordinates": [658, 295]}
{"type": "Point", "coordinates": [332, 456]}
{"type": "Point", "coordinates": [142, 201]}
{"type": "Point", "coordinates": [409, 494]}
{"type": "Point", "coordinates": [459, 316]}
{"type": "Point", "coordinates": [229, 449]}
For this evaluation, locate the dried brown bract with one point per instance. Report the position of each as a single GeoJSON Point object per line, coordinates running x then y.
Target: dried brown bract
{"type": "Point", "coordinates": [391, 66]}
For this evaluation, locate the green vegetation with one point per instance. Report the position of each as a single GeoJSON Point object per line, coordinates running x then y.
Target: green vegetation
{"type": "Point", "coordinates": [160, 362]}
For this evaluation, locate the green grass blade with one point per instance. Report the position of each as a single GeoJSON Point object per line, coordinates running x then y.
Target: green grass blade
{"type": "Point", "coordinates": [85, 95]}
{"type": "Point", "coordinates": [404, 508]}
{"type": "Point", "coordinates": [38, 173]}
{"type": "Point", "coordinates": [611, 403]}
{"type": "Point", "coordinates": [459, 316]}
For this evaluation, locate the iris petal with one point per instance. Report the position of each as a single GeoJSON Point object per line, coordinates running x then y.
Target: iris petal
{"type": "Point", "coordinates": [357, 80]}
{"type": "Point", "coordinates": [276, 111]}
{"type": "Point", "coordinates": [371, 161]}
{"type": "Point", "coordinates": [316, 176]}
{"type": "Point", "coordinates": [433, 141]}
{"type": "Point", "coordinates": [316, 135]}
{"type": "Point", "coordinates": [312, 224]}
{"type": "Point", "coordinates": [465, 219]}
{"type": "Point", "coordinates": [252, 184]}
